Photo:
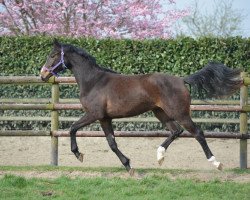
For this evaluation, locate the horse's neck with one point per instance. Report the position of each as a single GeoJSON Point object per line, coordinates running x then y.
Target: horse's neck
{"type": "Point", "coordinates": [86, 76]}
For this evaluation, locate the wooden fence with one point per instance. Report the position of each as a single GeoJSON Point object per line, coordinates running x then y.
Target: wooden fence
{"type": "Point", "coordinates": [56, 104]}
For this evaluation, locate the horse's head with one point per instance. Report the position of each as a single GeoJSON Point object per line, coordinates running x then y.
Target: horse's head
{"type": "Point", "coordinates": [56, 62]}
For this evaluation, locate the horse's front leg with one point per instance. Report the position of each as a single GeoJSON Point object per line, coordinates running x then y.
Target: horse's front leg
{"type": "Point", "coordinates": [84, 121]}
{"type": "Point", "coordinates": [109, 133]}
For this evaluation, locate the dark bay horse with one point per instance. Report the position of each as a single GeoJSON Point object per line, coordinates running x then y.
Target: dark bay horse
{"type": "Point", "coordinates": [105, 95]}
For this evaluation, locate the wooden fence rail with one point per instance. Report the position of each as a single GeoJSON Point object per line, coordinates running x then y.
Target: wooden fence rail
{"type": "Point", "coordinates": [60, 133]}
{"type": "Point", "coordinates": [55, 104]}
{"type": "Point", "coordinates": [60, 106]}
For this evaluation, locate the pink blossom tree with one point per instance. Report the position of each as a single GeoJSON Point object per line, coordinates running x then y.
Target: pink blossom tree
{"type": "Point", "coordinates": [96, 18]}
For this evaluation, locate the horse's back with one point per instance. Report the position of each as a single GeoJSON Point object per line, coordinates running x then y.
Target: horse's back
{"type": "Point", "coordinates": [155, 84]}
{"type": "Point", "coordinates": [129, 95]}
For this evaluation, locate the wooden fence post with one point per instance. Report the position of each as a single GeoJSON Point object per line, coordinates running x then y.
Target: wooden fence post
{"type": "Point", "coordinates": [54, 124]}
{"type": "Point", "coordinates": [243, 124]}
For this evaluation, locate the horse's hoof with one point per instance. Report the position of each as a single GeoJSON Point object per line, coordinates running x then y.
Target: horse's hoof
{"type": "Point", "coordinates": [217, 164]}
{"type": "Point", "coordinates": [220, 166]}
{"type": "Point", "coordinates": [131, 172]}
{"type": "Point", "coordinates": [80, 157]}
{"type": "Point", "coordinates": [160, 161]}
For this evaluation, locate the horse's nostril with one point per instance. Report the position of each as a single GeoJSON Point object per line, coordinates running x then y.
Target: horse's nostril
{"type": "Point", "coordinates": [44, 69]}
{"type": "Point", "coordinates": [43, 79]}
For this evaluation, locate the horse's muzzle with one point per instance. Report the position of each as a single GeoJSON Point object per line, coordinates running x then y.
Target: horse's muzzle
{"type": "Point", "coordinates": [45, 74]}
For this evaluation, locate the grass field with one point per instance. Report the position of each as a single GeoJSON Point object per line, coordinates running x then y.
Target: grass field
{"type": "Point", "coordinates": [149, 184]}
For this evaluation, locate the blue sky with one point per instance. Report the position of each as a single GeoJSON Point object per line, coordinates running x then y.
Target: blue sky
{"type": "Point", "coordinates": [242, 5]}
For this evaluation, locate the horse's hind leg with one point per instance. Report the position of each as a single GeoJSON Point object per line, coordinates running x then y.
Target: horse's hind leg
{"type": "Point", "coordinates": [109, 133]}
{"type": "Point", "coordinates": [190, 126]}
{"type": "Point", "coordinates": [173, 127]}
{"type": "Point", "coordinates": [175, 130]}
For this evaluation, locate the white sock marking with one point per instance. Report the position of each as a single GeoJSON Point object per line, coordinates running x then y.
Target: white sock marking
{"type": "Point", "coordinates": [160, 153]}
{"type": "Point", "coordinates": [214, 162]}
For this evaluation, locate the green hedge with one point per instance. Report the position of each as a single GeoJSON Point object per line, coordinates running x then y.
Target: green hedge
{"type": "Point", "coordinates": [183, 56]}
{"type": "Point", "coordinates": [25, 55]}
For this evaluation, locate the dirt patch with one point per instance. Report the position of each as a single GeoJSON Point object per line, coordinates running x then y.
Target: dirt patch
{"type": "Point", "coordinates": [212, 175]}
{"type": "Point", "coordinates": [205, 176]}
{"type": "Point", "coordinates": [184, 153]}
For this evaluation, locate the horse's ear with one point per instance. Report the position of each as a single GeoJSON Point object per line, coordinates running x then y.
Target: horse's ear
{"type": "Point", "coordinates": [57, 44]}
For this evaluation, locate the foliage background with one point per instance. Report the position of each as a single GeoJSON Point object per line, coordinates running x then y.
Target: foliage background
{"type": "Point", "coordinates": [181, 56]}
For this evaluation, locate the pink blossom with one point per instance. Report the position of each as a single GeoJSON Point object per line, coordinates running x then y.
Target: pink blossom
{"type": "Point", "coordinates": [100, 19]}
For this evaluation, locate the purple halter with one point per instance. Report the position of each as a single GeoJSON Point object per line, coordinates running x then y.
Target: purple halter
{"type": "Point", "coordinates": [51, 70]}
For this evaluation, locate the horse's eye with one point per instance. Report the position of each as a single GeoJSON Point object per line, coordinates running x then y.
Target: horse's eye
{"type": "Point", "coordinates": [53, 55]}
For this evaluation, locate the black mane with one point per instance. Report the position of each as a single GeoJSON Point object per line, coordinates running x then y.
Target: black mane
{"type": "Point", "coordinates": [72, 49]}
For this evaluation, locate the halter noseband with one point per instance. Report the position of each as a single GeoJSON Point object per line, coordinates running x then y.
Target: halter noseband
{"type": "Point", "coordinates": [61, 62]}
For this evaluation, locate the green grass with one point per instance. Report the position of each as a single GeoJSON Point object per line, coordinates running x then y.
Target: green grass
{"type": "Point", "coordinates": [13, 187]}
{"type": "Point", "coordinates": [88, 169]}
{"type": "Point", "coordinates": [109, 169]}
{"type": "Point", "coordinates": [150, 187]}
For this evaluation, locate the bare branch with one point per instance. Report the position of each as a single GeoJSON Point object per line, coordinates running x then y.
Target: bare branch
{"type": "Point", "coordinates": [223, 21]}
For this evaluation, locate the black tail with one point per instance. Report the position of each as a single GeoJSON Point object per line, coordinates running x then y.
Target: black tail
{"type": "Point", "coordinates": [215, 80]}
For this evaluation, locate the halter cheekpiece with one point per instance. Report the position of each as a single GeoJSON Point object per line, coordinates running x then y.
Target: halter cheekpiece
{"type": "Point", "coordinates": [61, 62]}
